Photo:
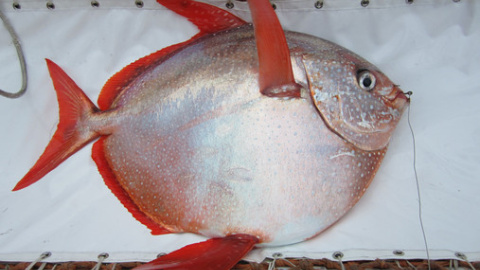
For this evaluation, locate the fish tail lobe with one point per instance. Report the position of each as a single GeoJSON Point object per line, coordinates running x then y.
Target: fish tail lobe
{"type": "Point", "coordinates": [213, 254]}
{"type": "Point", "coordinates": [72, 132]}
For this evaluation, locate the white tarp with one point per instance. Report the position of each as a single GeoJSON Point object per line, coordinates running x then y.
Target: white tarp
{"type": "Point", "coordinates": [430, 47]}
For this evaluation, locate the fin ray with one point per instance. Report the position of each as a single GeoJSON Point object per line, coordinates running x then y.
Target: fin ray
{"type": "Point", "coordinates": [213, 254]}
{"type": "Point", "coordinates": [208, 18]}
{"type": "Point", "coordinates": [118, 82]}
{"type": "Point", "coordinates": [68, 138]}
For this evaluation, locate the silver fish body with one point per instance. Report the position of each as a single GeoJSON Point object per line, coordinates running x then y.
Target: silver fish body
{"type": "Point", "coordinates": [198, 148]}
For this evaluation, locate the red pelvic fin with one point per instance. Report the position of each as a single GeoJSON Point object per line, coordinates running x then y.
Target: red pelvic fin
{"type": "Point", "coordinates": [213, 254]}
{"type": "Point", "coordinates": [68, 139]}
{"type": "Point", "coordinates": [208, 18]}
{"type": "Point", "coordinates": [98, 155]}
{"type": "Point", "coordinates": [276, 75]}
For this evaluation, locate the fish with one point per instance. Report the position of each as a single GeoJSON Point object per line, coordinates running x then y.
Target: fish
{"type": "Point", "coordinates": [247, 134]}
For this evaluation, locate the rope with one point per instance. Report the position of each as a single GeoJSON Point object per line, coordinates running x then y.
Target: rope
{"type": "Point", "coordinates": [21, 58]}
{"type": "Point", "coordinates": [418, 184]}
{"type": "Point", "coordinates": [42, 257]}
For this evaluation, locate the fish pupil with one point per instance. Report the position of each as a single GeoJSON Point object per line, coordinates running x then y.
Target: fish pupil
{"type": "Point", "coordinates": [367, 82]}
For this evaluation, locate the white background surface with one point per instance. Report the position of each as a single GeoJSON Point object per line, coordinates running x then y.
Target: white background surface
{"type": "Point", "coordinates": [429, 47]}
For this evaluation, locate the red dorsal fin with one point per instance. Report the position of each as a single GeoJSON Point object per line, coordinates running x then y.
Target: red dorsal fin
{"type": "Point", "coordinates": [98, 155]}
{"type": "Point", "coordinates": [74, 105]}
{"type": "Point", "coordinates": [276, 75]}
{"type": "Point", "coordinates": [213, 254]}
{"type": "Point", "coordinates": [116, 84]}
{"type": "Point", "coordinates": [208, 18]}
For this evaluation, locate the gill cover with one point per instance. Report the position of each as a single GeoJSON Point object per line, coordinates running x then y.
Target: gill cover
{"type": "Point", "coordinates": [365, 117]}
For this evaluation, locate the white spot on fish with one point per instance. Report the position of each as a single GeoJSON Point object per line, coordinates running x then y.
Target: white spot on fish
{"type": "Point", "coordinates": [321, 96]}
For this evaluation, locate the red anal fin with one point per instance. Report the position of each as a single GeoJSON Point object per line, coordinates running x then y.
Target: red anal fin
{"type": "Point", "coordinates": [98, 155]}
{"type": "Point", "coordinates": [276, 75]}
{"type": "Point", "coordinates": [213, 254]}
{"type": "Point", "coordinates": [74, 105]}
{"type": "Point", "coordinates": [208, 18]}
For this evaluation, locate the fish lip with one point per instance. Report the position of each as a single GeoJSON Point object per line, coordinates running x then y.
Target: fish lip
{"type": "Point", "coordinates": [397, 95]}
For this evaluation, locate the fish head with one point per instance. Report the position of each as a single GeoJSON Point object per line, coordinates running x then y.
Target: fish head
{"type": "Point", "coordinates": [355, 99]}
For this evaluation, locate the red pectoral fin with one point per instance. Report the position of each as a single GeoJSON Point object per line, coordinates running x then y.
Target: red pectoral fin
{"type": "Point", "coordinates": [276, 75]}
{"type": "Point", "coordinates": [208, 18]}
{"type": "Point", "coordinates": [213, 254]}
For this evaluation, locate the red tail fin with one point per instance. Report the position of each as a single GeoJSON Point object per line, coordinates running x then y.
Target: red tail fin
{"type": "Point", "coordinates": [74, 106]}
{"type": "Point", "coordinates": [213, 254]}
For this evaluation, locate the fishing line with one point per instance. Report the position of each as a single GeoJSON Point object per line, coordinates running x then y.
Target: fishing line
{"type": "Point", "coordinates": [417, 182]}
{"type": "Point", "coordinates": [21, 59]}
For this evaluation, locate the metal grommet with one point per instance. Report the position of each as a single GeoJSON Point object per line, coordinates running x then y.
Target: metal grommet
{"type": "Point", "coordinates": [274, 6]}
{"type": "Point", "coordinates": [229, 4]}
{"type": "Point", "coordinates": [337, 255]}
{"type": "Point", "coordinates": [364, 3]}
{"type": "Point", "coordinates": [460, 255]}
{"type": "Point", "coordinates": [50, 5]}
{"type": "Point", "coordinates": [161, 254]}
{"type": "Point", "coordinates": [46, 255]}
{"type": "Point", "coordinates": [277, 255]}
{"type": "Point", "coordinates": [398, 252]}
{"type": "Point", "coordinates": [463, 257]}
{"type": "Point", "coordinates": [409, 1]}
{"type": "Point", "coordinates": [319, 4]}
{"type": "Point", "coordinates": [16, 5]}
{"type": "Point", "coordinates": [42, 257]}
{"type": "Point", "coordinates": [95, 3]}
{"type": "Point", "coordinates": [139, 3]}
{"type": "Point", "coordinates": [102, 256]}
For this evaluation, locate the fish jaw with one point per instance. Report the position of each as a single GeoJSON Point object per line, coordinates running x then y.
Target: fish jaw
{"type": "Point", "coordinates": [398, 99]}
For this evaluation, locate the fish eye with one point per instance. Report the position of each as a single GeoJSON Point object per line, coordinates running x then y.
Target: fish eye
{"type": "Point", "coordinates": [366, 80]}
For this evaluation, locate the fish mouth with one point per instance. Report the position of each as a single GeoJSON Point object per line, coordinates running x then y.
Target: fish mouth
{"type": "Point", "coordinates": [397, 97]}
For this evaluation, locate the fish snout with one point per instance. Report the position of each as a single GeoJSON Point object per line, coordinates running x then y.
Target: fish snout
{"type": "Point", "coordinates": [398, 98]}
